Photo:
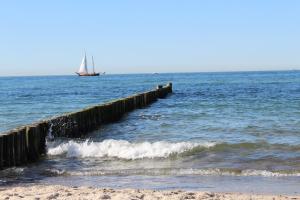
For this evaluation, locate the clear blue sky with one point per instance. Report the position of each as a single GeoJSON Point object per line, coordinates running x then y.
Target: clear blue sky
{"type": "Point", "coordinates": [136, 36]}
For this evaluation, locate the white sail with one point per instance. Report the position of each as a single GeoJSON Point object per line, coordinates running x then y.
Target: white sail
{"type": "Point", "coordinates": [93, 65]}
{"type": "Point", "coordinates": [83, 67]}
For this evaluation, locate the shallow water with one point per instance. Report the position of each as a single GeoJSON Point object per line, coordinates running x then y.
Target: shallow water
{"type": "Point", "coordinates": [218, 131]}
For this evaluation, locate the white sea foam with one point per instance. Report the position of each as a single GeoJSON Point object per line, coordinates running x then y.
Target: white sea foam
{"type": "Point", "coordinates": [177, 172]}
{"type": "Point", "coordinates": [266, 173]}
{"type": "Point", "coordinates": [229, 172]}
{"type": "Point", "coordinates": [124, 149]}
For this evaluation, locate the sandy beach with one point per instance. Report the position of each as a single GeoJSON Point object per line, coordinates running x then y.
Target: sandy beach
{"type": "Point", "coordinates": [64, 192]}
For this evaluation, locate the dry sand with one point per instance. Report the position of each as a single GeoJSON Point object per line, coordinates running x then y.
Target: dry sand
{"type": "Point", "coordinates": [62, 192]}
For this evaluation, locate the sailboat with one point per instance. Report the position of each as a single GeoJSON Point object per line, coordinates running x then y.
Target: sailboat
{"type": "Point", "coordinates": [83, 70]}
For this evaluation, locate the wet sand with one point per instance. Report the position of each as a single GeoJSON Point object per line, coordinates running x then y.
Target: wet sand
{"type": "Point", "coordinates": [63, 192]}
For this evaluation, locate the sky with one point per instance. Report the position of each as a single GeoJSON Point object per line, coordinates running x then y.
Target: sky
{"type": "Point", "coordinates": [147, 36]}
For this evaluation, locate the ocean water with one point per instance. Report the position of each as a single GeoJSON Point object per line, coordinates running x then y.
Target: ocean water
{"type": "Point", "coordinates": [236, 131]}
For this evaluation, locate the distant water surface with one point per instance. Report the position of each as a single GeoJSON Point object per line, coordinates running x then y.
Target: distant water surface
{"type": "Point", "coordinates": [217, 131]}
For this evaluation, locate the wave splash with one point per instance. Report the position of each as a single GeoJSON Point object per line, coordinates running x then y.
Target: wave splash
{"type": "Point", "coordinates": [124, 149]}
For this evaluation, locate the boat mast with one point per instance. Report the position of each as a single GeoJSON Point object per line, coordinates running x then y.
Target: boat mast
{"type": "Point", "coordinates": [93, 64]}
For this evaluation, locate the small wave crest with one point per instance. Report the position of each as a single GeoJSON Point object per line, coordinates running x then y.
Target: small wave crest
{"type": "Point", "coordinates": [178, 172]}
{"type": "Point", "coordinates": [125, 150]}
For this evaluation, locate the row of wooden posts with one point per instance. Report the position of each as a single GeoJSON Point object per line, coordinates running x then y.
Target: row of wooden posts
{"type": "Point", "coordinates": [28, 143]}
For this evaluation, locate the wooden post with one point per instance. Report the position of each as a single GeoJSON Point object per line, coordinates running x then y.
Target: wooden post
{"type": "Point", "coordinates": [1, 153]}
{"type": "Point", "coordinates": [31, 136]}
{"type": "Point", "coordinates": [6, 153]}
{"type": "Point", "coordinates": [24, 150]}
{"type": "Point", "coordinates": [17, 147]}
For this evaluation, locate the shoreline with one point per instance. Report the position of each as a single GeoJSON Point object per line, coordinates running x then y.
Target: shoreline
{"type": "Point", "coordinates": [41, 191]}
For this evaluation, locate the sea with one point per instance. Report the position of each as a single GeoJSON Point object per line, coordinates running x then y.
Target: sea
{"type": "Point", "coordinates": [226, 131]}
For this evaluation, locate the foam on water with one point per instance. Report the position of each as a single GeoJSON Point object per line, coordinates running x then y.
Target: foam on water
{"type": "Point", "coordinates": [176, 172]}
{"type": "Point", "coordinates": [124, 149]}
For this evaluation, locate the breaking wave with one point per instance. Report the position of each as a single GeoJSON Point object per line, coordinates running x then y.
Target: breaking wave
{"type": "Point", "coordinates": [124, 149]}
{"type": "Point", "coordinates": [161, 149]}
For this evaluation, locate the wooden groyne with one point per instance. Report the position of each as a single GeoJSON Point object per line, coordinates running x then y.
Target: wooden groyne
{"type": "Point", "coordinates": [28, 143]}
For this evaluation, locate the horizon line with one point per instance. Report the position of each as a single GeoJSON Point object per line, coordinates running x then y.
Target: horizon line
{"type": "Point", "coordinates": [180, 72]}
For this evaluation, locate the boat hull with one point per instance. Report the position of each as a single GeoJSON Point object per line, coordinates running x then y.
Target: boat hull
{"type": "Point", "coordinates": [94, 74]}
